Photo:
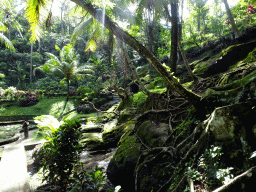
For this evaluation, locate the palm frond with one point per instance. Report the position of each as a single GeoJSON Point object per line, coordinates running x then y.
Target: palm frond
{"type": "Point", "coordinates": [139, 12]}
{"type": "Point", "coordinates": [3, 27]}
{"type": "Point", "coordinates": [36, 14]}
{"type": "Point", "coordinates": [7, 42]}
{"type": "Point", "coordinates": [19, 28]}
{"type": "Point", "coordinates": [79, 30]}
{"type": "Point", "coordinates": [52, 56]}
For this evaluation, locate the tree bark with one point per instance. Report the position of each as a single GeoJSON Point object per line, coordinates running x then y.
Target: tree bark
{"type": "Point", "coordinates": [234, 27]}
{"type": "Point", "coordinates": [132, 42]}
{"type": "Point", "coordinates": [174, 36]}
{"type": "Point", "coordinates": [31, 62]}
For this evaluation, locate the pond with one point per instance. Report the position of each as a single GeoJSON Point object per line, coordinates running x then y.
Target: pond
{"type": "Point", "coordinates": [8, 131]}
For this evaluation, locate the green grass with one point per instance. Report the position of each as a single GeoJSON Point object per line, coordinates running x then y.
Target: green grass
{"type": "Point", "coordinates": [52, 107]}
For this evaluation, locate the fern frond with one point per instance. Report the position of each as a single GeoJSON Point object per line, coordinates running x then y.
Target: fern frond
{"type": "Point", "coordinates": [7, 42]}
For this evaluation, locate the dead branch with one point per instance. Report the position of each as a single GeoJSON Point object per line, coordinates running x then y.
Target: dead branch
{"type": "Point", "coordinates": [238, 178]}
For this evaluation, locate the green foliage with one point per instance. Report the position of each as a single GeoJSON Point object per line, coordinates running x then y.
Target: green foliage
{"type": "Point", "coordinates": [60, 154]}
{"type": "Point", "coordinates": [47, 125]}
{"type": "Point", "coordinates": [48, 84]}
{"type": "Point", "coordinates": [210, 162]}
{"type": "Point", "coordinates": [88, 181]}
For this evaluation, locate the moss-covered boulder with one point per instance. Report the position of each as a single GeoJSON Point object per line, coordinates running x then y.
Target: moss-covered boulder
{"type": "Point", "coordinates": [146, 134]}
{"type": "Point", "coordinates": [92, 141]}
{"type": "Point", "coordinates": [153, 170]}
{"type": "Point", "coordinates": [91, 128]}
{"type": "Point", "coordinates": [127, 114]}
{"type": "Point", "coordinates": [112, 132]}
{"type": "Point", "coordinates": [121, 167]}
{"type": "Point", "coordinates": [153, 134]}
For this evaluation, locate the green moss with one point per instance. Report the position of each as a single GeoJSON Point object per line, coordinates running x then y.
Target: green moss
{"type": "Point", "coordinates": [138, 99]}
{"type": "Point", "coordinates": [157, 82]}
{"type": "Point", "coordinates": [117, 131]}
{"type": "Point", "coordinates": [128, 148]}
{"type": "Point", "coordinates": [187, 84]}
{"type": "Point", "coordinates": [201, 67]}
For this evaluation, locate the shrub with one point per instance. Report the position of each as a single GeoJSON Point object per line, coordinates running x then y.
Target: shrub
{"type": "Point", "coordinates": [29, 101]}
{"type": "Point", "coordinates": [88, 181]}
{"type": "Point", "coordinates": [61, 153]}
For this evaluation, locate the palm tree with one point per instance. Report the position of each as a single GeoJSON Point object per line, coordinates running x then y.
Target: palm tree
{"type": "Point", "coordinates": [4, 39]}
{"type": "Point", "coordinates": [32, 15]}
{"type": "Point", "coordinates": [66, 66]}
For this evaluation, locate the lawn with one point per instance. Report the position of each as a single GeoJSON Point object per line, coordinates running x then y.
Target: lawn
{"type": "Point", "coordinates": [52, 107]}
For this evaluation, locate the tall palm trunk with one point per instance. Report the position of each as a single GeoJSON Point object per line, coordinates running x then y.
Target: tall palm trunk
{"type": "Point", "coordinates": [234, 27]}
{"type": "Point", "coordinates": [67, 89]}
{"type": "Point", "coordinates": [132, 42]}
{"type": "Point", "coordinates": [31, 62]}
{"type": "Point", "coordinates": [174, 36]}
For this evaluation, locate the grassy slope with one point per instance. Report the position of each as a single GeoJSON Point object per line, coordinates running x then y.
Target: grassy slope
{"type": "Point", "coordinates": [52, 107]}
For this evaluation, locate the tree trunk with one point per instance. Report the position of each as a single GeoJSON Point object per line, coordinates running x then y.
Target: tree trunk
{"type": "Point", "coordinates": [234, 27]}
{"type": "Point", "coordinates": [198, 20]}
{"type": "Point", "coordinates": [132, 42]}
{"type": "Point", "coordinates": [110, 47]}
{"type": "Point", "coordinates": [31, 62]}
{"type": "Point", "coordinates": [67, 90]}
{"type": "Point", "coordinates": [174, 36]}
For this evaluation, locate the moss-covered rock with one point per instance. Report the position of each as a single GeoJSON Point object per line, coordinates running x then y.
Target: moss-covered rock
{"type": "Point", "coordinates": [121, 167]}
{"type": "Point", "coordinates": [154, 169]}
{"type": "Point", "coordinates": [112, 133]}
{"type": "Point", "coordinates": [153, 134]}
{"type": "Point", "coordinates": [92, 141]}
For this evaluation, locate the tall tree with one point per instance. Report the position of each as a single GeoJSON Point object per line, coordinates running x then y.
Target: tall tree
{"type": "Point", "coordinates": [231, 18]}
{"type": "Point", "coordinates": [132, 42]}
{"type": "Point", "coordinates": [174, 35]}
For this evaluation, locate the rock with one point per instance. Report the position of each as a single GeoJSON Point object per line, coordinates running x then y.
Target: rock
{"type": "Point", "coordinates": [122, 166]}
{"type": "Point", "coordinates": [224, 121]}
{"type": "Point", "coordinates": [112, 133]}
{"type": "Point", "coordinates": [92, 141]}
{"type": "Point", "coordinates": [127, 114]}
{"type": "Point", "coordinates": [153, 134]}
{"type": "Point", "coordinates": [152, 170]}
{"type": "Point", "coordinates": [91, 128]}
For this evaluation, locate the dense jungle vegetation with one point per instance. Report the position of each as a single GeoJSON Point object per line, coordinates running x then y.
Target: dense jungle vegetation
{"type": "Point", "coordinates": [185, 73]}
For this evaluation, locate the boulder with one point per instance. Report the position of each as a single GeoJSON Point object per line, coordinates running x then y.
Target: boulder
{"type": "Point", "coordinates": [122, 166]}
{"type": "Point", "coordinates": [92, 141]}
{"type": "Point", "coordinates": [112, 132]}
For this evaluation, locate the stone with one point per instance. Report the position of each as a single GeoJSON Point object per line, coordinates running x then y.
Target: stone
{"type": "Point", "coordinates": [122, 166]}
